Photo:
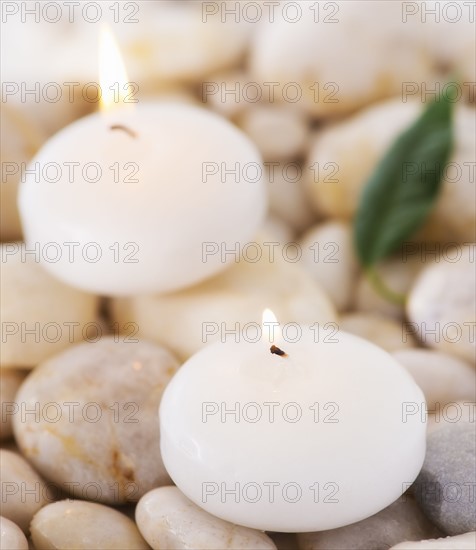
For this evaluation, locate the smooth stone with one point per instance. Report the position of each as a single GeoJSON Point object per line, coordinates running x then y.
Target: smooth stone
{"type": "Point", "coordinates": [446, 484]}
{"type": "Point", "coordinates": [315, 55]}
{"type": "Point", "coordinates": [10, 381]}
{"type": "Point", "coordinates": [277, 230]}
{"type": "Point", "coordinates": [23, 490]}
{"type": "Point", "coordinates": [230, 301]}
{"type": "Point", "coordinates": [167, 519]}
{"type": "Point", "coordinates": [328, 255]}
{"type": "Point", "coordinates": [450, 414]}
{"type": "Point", "coordinates": [441, 305]}
{"type": "Point", "coordinates": [79, 525]}
{"type": "Point", "coordinates": [385, 332]}
{"type": "Point", "coordinates": [224, 93]}
{"type": "Point", "coordinates": [399, 274]}
{"type": "Point", "coordinates": [279, 132]}
{"type": "Point", "coordinates": [287, 198]}
{"type": "Point", "coordinates": [20, 139]}
{"type": "Point", "coordinates": [443, 378]}
{"type": "Point", "coordinates": [11, 536]}
{"type": "Point", "coordinates": [460, 542]}
{"type": "Point", "coordinates": [33, 300]}
{"type": "Point", "coordinates": [402, 520]}
{"type": "Point", "coordinates": [106, 447]}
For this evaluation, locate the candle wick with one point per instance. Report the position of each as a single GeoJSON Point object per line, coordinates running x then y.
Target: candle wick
{"type": "Point", "coordinates": [274, 349]}
{"type": "Point", "coordinates": [124, 129]}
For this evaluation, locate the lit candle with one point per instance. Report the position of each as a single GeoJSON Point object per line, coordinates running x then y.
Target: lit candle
{"type": "Point", "coordinates": [130, 198]}
{"type": "Point", "coordinates": [302, 436]}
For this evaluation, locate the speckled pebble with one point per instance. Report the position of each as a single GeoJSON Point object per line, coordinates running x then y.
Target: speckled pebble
{"type": "Point", "coordinates": [23, 492]}
{"type": "Point", "coordinates": [446, 485]}
{"type": "Point", "coordinates": [79, 525]}
{"type": "Point", "coordinates": [402, 520]}
{"type": "Point", "coordinates": [96, 430]}
{"type": "Point", "coordinates": [168, 519]}
{"type": "Point", "coordinates": [11, 536]}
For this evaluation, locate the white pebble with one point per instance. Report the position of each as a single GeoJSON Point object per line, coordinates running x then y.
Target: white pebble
{"type": "Point", "coordinates": [84, 526]}
{"type": "Point", "coordinates": [328, 255]}
{"type": "Point", "coordinates": [11, 536]}
{"type": "Point", "coordinates": [10, 381]}
{"type": "Point", "coordinates": [459, 542]}
{"type": "Point", "coordinates": [96, 429]}
{"type": "Point", "coordinates": [230, 301]}
{"type": "Point", "coordinates": [382, 331]}
{"type": "Point", "coordinates": [168, 519]}
{"type": "Point", "coordinates": [280, 133]}
{"type": "Point", "coordinates": [443, 378]}
{"type": "Point", "coordinates": [442, 304]}
{"type": "Point", "coordinates": [40, 315]}
{"type": "Point", "coordinates": [23, 490]}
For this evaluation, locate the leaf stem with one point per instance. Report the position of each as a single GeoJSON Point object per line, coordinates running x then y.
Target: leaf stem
{"type": "Point", "coordinates": [381, 288]}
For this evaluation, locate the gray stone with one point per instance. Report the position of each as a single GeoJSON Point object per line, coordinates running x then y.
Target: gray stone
{"type": "Point", "coordinates": [403, 520]}
{"type": "Point", "coordinates": [446, 485]}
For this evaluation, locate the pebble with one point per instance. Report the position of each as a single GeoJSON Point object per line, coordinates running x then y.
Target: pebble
{"type": "Point", "coordinates": [398, 275]}
{"type": "Point", "coordinates": [316, 56]}
{"type": "Point", "coordinates": [402, 520]}
{"type": "Point", "coordinates": [168, 519]}
{"type": "Point", "coordinates": [280, 133]}
{"type": "Point", "coordinates": [443, 378]}
{"type": "Point", "coordinates": [229, 301]}
{"type": "Point", "coordinates": [451, 413]}
{"type": "Point", "coordinates": [23, 490]}
{"type": "Point", "coordinates": [445, 486]}
{"type": "Point", "coordinates": [287, 196]}
{"type": "Point", "coordinates": [11, 536]}
{"type": "Point", "coordinates": [10, 381]}
{"type": "Point", "coordinates": [84, 526]}
{"type": "Point", "coordinates": [385, 332]}
{"type": "Point", "coordinates": [352, 148]}
{"type": "Point", "coordinates": [328, 255]}
{"type": "Point", "coordinates": [460, 542]}
{"type": "Point", "coordinates": [20, 139]}
{"type": "Point", "coordinates": [33, 300]}
{"type": "Point", "coordinates": [442, 304]}
{"type": "Point", "coordinates": [104, 447]}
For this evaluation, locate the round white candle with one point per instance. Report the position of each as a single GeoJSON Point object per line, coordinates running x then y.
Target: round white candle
{"type": "Point", "coordinates": [163, 192]}
{"type": "Point", "coordinates": [357, 444]}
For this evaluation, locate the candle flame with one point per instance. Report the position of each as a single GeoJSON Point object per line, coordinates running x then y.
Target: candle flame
{"type": "Point", "coordinates": [112, 72]}
{"type": "Point", "coordinates": [271, 330]}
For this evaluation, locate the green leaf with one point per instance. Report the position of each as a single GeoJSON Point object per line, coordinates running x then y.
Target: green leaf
{"type": "Point", "coordinates": [401, 192]}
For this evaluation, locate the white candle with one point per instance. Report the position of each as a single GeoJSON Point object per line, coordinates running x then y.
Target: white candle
{"type": "Point", "coordinates": [125, 202]}
{"type": "Point", "coordinates": [324, 436]}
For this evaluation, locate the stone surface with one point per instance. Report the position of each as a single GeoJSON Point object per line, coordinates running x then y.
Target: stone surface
{"type": "Point", "coordinates": [385, 332]}
{"type": "Point", "coordinates": [287, 51]}
{"type": "Point", "coordinates": [168, 519]}
{"type": "Point", "coordinates": [441, 305]}
{"type": "Point", "coordinates": [84, 526]}
{"type": "Point", "coordinates": [460, 542]}
{"type": "Point", "coordinates": [23, 491]}
{"type": "Point", "coordinates": [402, 520]}
{"type": "Point", "coordinates": [446, 484]}
{"type": "Point", "coordinates": [40, 315]}
{"type": "Point", "coordinates": [11, 536]}
{"type": "Point", "coordinates": [328, 255]}
{"type": "Point", "coordinates": [96, 429]}
{"type": "Point", "coordinates": [280, 133]}
{"type": "Point", "coordinates": [10, 381]}
{"type": "Point", "coordinates": [230, 301]}
{"type": "Point", "coordinates": [443, 378]}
